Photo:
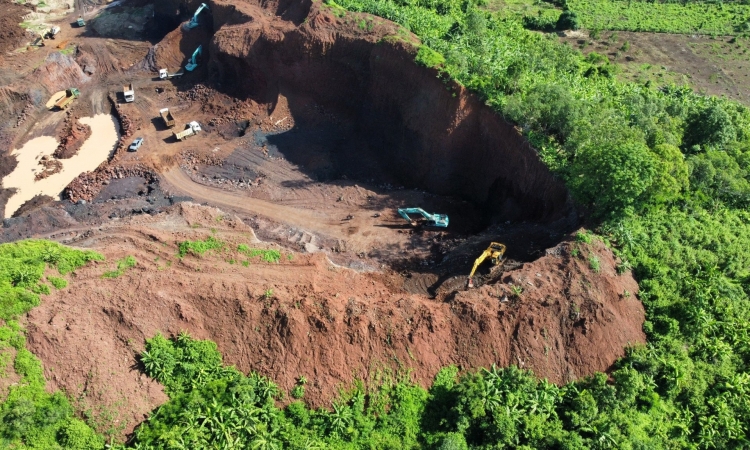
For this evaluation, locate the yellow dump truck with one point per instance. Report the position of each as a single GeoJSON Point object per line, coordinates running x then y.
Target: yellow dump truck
{"type": "Point", "coordinates": [70, 95]}
{"type": "Point", "coordinates": [167, 117]}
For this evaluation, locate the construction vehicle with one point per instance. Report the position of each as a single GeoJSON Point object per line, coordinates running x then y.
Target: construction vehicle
{"type": "Point", "coordinates": [81, 23]}
{"type": "Point", "coordinates": [70, 95]}
{"type": "Point", "coordinates": [128, 92]}
{"type": "Point", "coordinates": [495, 252]}
{"type": "Point", "coordinates": [431, 220]}
{"type": "Point", "coordinates": [191, 129]}
{"type": "Point", "coordinates": [167, 117]}
{"type": "Point", "coordinates": [165, 75]}
{"type": "Point", "coordinates": [38, 42]}
{"type": "Point", "coordinates": [193, 63]}
{"type": "Point", "coordinates": [136, 145]}
{"type": "Point", "coordinates": [52, 32]}
{"type": "Point", "coordinates": [194, 20]}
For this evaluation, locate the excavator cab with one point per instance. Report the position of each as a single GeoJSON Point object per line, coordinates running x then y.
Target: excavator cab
{"type": "Point", "coordinates": [431, 220]}
{"type": "Point", "coordinates": [495, 252]}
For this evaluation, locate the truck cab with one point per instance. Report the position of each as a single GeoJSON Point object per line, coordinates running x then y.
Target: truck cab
{"type": "Point", "coordinates": [128, 93]}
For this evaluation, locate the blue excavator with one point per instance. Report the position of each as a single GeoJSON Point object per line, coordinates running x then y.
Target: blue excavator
{"type": "Point", "coordinates": [193, 63]}
{"type": "Point", "coordinates": [431, 220]}
{"type": "Point", "coordinates": [194, 20]}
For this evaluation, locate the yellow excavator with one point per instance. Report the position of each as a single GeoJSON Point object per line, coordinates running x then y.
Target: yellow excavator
{"type": "Point", "coordinates": [495, 252]}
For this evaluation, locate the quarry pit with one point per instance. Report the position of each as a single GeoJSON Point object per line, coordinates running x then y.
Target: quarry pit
{"type": "Point", "coordinates": [315, 130]}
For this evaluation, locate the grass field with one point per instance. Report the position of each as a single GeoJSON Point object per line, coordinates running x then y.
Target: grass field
{"type": "Point", "coordinates": [691, 18]}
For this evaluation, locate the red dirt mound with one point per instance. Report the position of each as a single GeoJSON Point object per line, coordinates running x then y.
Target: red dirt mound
{"type": "Point", "coordinates": [306, 316]}
{"type": "Point", "coordinates": [11, 34]}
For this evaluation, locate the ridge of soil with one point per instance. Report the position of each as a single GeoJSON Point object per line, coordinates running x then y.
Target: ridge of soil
{"type": "Point", "coordinates": [320, 320]}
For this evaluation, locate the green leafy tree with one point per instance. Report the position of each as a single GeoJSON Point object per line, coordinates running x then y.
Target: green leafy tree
{"type": "Point", "coordinates": [568, 21]}
{"type": "Point", "coordinates": [614, 179]}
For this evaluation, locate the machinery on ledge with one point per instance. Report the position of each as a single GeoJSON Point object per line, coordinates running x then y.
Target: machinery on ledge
{"type": "Point", "coordinates": [194, 20]}
{"type": "Point", "coordinates": [495, 252]}
{"type": "Point", "coordinates": [431, 220]}
{"type": "Point", "coordinates": [193, 63]}
{"type": "Point", "coordinates": [81, 23]}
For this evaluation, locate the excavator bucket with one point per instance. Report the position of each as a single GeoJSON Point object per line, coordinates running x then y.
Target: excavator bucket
{"type": "Point", "coordinates": [470, 283]}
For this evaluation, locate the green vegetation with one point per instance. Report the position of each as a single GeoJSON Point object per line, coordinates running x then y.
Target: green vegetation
{"type": "Point", "coordinates": [22, 266]}
{"type": "Point", "coordinates": [58, 283]}
{"type": "Point", "coordinates": [666, 174]}
{"type": "Point", "coordinates": [722, 18]}
{"type": "Point", "coordinates": [212, 406]}
{"type": "Point", "coordinates": [30, 417]}
{"type": "Point", "coordinates": [198, 248]}
{"type": "Point", "coordinates": [270, 256]}
{"type": "Point", "coordinates": [122, 266]}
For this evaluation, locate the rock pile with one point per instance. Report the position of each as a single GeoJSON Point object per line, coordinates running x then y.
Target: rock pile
{"type": "Point", "coordinates": [191, 159]}
{"type": "Point", "coordinates": [28, 109]}
{"type": "Point", "coordinates": [73, 136]}
{"type": "Point", "coordinates": [88, 185]}
{"type": "Point", "coordinates": [198, 93]}
{"type": "Point", "coordinates": [127, 127]}
{"type": "Point", "coordinates": [51, 167]}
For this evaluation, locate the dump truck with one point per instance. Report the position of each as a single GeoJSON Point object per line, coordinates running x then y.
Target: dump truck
{"type": "Point", "coordinates": [191, 129]}
{"type": "Point", "coordinates": [165, 75]}
{"type": "Point", "coordinates": [167, 117]}
{"type": "Point", "coordinates": [128, 92]}
{"type": "Point", "coordinates": [70, 95]}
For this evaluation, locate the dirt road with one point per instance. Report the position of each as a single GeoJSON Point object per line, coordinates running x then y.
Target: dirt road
{"type": "Point", "coordinates": [362, 232]}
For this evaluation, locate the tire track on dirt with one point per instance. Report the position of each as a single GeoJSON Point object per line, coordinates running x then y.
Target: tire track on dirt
{"type": "Point", "coordinates": [303, 218]}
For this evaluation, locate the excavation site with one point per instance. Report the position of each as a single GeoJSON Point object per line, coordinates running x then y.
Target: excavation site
{"type": "Point", "coordinates": [286, 128]}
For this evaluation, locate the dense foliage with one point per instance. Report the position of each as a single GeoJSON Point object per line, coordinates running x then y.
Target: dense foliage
{"type": "Point", "coordinates": [22, 267]}
{"type": "Point", "coordinates": [666, 173]}
{"type": "Point", "coordinates": [217, 407]}
{"type": "Point", "coordinates": [30, 417]}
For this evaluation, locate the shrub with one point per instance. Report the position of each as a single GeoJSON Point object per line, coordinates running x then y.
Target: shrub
{"type": "Point", "coordinates": [568, 21]}
{"type": "Point", "coordinates": [428, 57]}
{"type": "Point", "coordinates": [58, 283]}
{"type": "Point", "coordinates": [123, 265]}
{"type": "Point", "coordinates": [199, 247]}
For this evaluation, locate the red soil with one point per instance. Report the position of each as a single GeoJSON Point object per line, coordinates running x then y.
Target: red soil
{"type": "Point", "coordinates": [306, 316]}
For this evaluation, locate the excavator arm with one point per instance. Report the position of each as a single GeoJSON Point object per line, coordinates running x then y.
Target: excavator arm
{"type": "Point", "coordinates": [193, 63]}
{"type": "Point", "coordinates": [485, 254]}
{"type": "Point", "coordinates": [495, 251]}
{"type": "Point", "coordinates": [194, 20]}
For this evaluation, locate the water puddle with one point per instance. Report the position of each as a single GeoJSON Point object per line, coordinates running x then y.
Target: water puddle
{"type": "Point", "coordinates": [97, 148]}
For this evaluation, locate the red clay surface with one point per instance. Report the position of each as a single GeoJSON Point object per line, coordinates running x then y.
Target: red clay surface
{"type": "Point", "coordinates": [308, 316]}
